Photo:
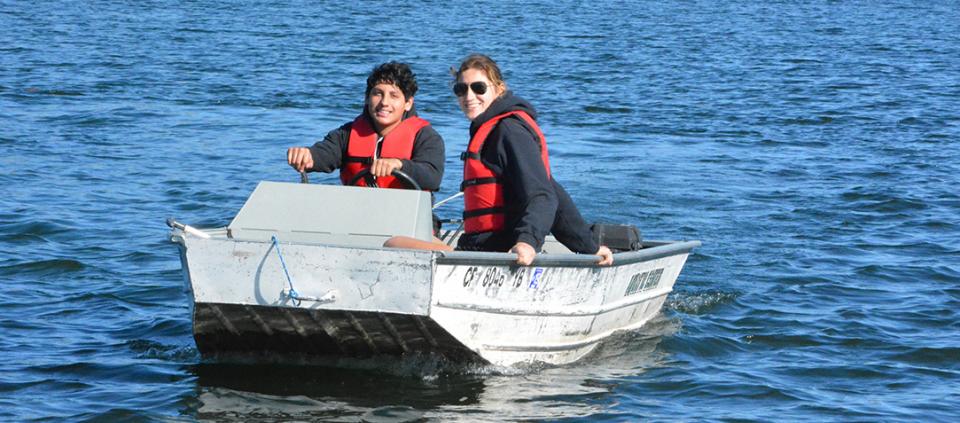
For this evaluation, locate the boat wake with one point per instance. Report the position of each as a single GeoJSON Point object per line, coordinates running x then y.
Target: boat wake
{"type": "Point", "coordinates": [699, 302]}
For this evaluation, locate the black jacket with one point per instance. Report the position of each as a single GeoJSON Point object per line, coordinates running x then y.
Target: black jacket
{"type": "Point", "coordinates": [425, 164]}
{"type": "Point", "coordinates": [536, 204]}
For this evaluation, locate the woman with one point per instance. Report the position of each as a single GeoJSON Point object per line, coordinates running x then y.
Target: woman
{"type": "Point", "coordinates": [511, 202]}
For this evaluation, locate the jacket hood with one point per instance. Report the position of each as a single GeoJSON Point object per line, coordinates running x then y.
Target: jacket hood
{"type": "Point", "coordinates": [506, 103]}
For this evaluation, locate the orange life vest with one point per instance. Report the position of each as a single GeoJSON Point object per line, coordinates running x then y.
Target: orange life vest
{"type": "Point", "coordinates": [362, 146]}
{"type": "Point", "coordinates": [483, 209]}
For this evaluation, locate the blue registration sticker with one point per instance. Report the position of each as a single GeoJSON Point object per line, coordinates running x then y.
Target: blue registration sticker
{"type": "Point", "coordinates": [535, 279]}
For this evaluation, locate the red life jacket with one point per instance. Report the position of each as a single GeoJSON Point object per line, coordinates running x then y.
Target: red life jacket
{"type": "Point", "coordinates": [483, 209]}
{"type": "Point", "coordinates": [362, 146]}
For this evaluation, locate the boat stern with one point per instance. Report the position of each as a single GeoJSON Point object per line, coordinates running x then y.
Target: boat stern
{"type": "Point", "coordinates": [277, 299]}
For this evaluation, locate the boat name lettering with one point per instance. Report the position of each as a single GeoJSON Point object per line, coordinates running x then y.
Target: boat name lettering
{"type": "Point", "coordinates": [644, 281]}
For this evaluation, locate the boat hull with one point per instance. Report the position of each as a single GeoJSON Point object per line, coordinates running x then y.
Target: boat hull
{"type": "Point", "coordinates": [239, 330]}
{"type": "Point", "coordinates": [465, 307]}
{"type": "Point", "coordinates": [553, 314]}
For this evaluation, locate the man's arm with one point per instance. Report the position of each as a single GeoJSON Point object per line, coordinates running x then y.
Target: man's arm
{"type": "Point", "coordinates": [426, 162]}
{"type": "Point", "coordinates": [324, 156]}
{"type": "Point", "coordinates": [328, 154]}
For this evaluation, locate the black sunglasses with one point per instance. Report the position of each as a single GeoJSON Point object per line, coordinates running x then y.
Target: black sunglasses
{"type": "Point", "coordinates": [479, 88]}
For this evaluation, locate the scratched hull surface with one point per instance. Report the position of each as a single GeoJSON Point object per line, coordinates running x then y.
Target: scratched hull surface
{"type": "Point", "coordinates": [465, 307]}
{"type": "Point", "coordinates": [551, 314]}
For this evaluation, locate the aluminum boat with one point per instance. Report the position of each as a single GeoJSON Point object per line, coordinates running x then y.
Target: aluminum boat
{"type": "Point", "coordinates": [301, 271]}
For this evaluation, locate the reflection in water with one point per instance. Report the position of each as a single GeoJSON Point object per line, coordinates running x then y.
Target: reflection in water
{"type": "Point", "coordinates": [423, 388]}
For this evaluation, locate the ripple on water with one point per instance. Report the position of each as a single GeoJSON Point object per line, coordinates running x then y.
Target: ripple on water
{"type": "Point", "coordinates": [785, 340]}
{"type": "Point", "coordinates": [30, 228]}
{"type": "Point", "coordinates": [45, 384]}
{"type": "Point", "coordinates": [50, 267]}
{"type": "Point", "coordinates": [889, 204]}
{"type": "Point", "coordinates": [98, 371]}
{"type": "Point", "coordinates": [393, 414]}
{"type": "Point", "coordinates": [819, 120]}
{"type": "Point", "coordinates": [942, 360]}
{"type": "Point", "coordinates": [53, 92]}
{"type": "Point", "coordinates": [606, 110]}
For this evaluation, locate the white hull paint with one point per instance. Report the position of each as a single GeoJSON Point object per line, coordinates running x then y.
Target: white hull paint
{"type": "Point", "coordinates": [505, 314]}
{"type": "Point", "coordinates": [557, 319]}
{"type": "Point", "coordinates": [356, 298]}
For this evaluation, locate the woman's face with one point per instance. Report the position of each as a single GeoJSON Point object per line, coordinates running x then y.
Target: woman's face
{"type": "Point", "coordinates": [472, 103]}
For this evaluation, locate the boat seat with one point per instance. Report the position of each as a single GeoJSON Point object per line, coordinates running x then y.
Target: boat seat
{"type": "Point", "coordinates": [332, 214]}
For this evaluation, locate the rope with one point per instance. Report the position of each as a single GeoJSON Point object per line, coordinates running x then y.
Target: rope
{"type": "Point", "coordinates": [292, 293]}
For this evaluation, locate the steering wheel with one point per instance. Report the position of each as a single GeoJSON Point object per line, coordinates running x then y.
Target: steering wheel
{"type": "Point", "coordinates": [399, 174]}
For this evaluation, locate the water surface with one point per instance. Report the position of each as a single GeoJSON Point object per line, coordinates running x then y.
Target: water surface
{"type": "Point", "coordinates": [812, 148]}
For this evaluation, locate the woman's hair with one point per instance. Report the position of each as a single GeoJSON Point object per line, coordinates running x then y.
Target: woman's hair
{"type": "Point", "coordinates": [484, 63]}
{"type": "Point", "coordinates": [395, 73]}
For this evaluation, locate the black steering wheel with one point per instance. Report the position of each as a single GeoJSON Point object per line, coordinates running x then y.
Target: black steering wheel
{"type": "Point", "coordinates": [399, 174]}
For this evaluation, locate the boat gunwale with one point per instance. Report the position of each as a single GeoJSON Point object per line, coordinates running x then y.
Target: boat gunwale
{"type": "Point", "coordinates": [662, 249]}
{"type": "Point", "coordinates": [653, 250]}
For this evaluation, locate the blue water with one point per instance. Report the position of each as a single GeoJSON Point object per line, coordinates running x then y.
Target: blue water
{"type": "Point", "coordinates": [812, 147]}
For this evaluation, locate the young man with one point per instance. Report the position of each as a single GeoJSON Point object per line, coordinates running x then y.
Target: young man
{"type": "Point", "coordinates": [386, 136]}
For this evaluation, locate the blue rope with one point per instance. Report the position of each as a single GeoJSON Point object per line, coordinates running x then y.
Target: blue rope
{"type": "Point", "coordinates": [293, 294]}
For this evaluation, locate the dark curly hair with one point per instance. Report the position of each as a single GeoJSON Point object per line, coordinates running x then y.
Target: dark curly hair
{"type": "Point", "coordinates": [395, 73]}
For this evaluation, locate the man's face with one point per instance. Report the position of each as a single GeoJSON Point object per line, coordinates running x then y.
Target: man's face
{"type": "Point", "coordinates": [386, 105]}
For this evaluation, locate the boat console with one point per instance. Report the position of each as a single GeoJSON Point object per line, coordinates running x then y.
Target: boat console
{"type": "Point", "coordinates": [331, 214]}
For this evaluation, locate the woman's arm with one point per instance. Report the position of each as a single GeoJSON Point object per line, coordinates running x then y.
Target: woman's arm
{"type": "Point", "coordinates": [525, 180]}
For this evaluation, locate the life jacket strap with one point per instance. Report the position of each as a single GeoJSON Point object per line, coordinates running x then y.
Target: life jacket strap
{"type": "Point", "coordinates": [478, 181]}
{"type": "Point", "coordinates": [485, 211]}
{"type": "Point", "coordinates": [362, 160]}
